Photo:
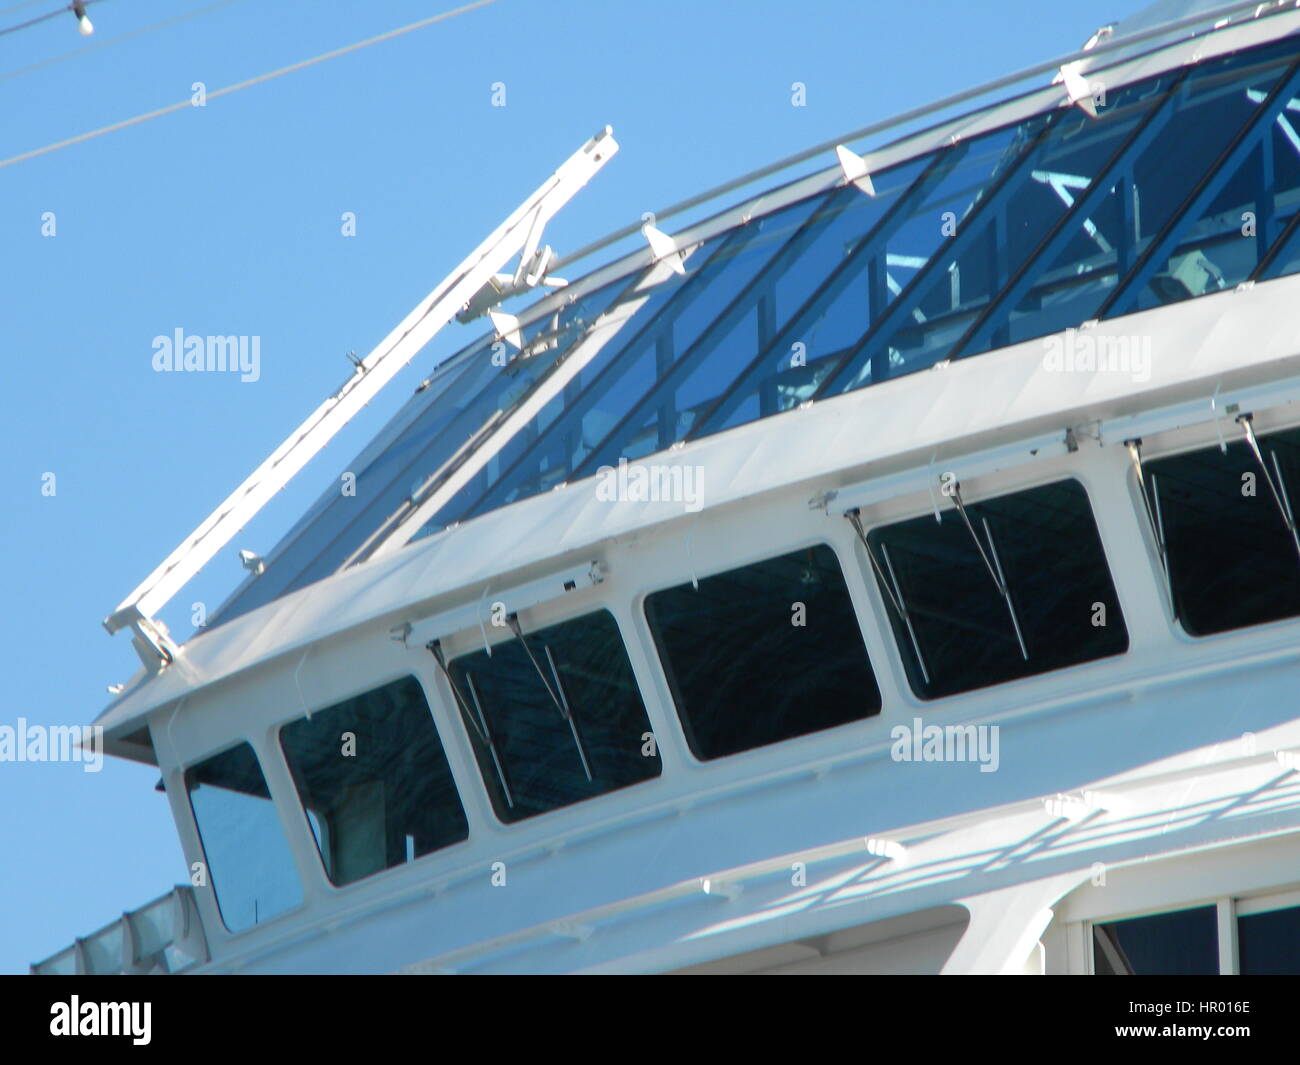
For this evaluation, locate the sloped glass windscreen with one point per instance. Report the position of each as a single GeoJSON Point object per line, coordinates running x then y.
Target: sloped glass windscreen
{"type": "Point", "coordinates": [998, 589]}
{"type": "Point", "coordinates": [1227, 526]}
{"type": "Point", "coordinates": [248, 859]}
{"type": "Point", "coordinates": [374, 781]}
{"type": "Point", "coordinates": [1185, 184]}
{"type": "Point", "coordinates": [763, 653]}
{"type": "Point", "coordinates": [555, 716]}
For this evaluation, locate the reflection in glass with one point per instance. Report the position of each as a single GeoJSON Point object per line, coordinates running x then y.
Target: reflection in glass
{"type": "Point", "coordinates": [247, 857]}
{"type": "Point", "coordinates": [763, 653]}
{"type": "Point", "coordinates": [555, 716]}
{"type": "Point", "coordinates": [374, 781]}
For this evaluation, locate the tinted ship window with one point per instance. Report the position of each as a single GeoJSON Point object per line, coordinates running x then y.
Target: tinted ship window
{"type": "Point", "coordinates": [555, 716]}
{"type": "Point", "coordinates": [763, 653]}
{"type": "Point", "coordinates": [243, 841]}
{"type": "Point", "coordinates": [1185, 943]}
{"type": "Point", "coordinates": [1018, 587]}
{"type": "Point", "coordinates": [1233, 561]}
{"type": "Point", "coordinates": [374, 781]}
{"type": "Point", "coordinates": [1270, 943]}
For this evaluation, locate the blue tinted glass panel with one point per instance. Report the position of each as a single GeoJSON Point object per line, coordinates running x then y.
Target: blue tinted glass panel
{"type": "Point", "coordinates": [1073, 187]}
{"type": "Point", "coordinates": [1219, 236]}
{"type": "Point", "coordinates": [248, 859]}
{"type": "Point", "coordinates": [374, 781]}
{"type": "Point", "coordinates": [678, 312]}
{"type": "Point", "coordinates": [479, 396]}
{"type": "Point", "coordinates": [865, 284]}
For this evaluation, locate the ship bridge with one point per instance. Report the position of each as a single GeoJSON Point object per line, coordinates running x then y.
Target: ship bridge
{"type": "Point", "coordinates": [887, 562]}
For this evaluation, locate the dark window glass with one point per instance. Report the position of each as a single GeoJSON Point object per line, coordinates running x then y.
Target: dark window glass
{"type": "Point", "coordinates": [374, 781]}
{"type": "Point", "coordinates": [955, 628]}
{"type": "Point", "coordinates": [1232, 560]}
{"type": "Point", "coordinates": [248, 859]}
{"type": "Point", "coordinates": [763, 653]}
{"type": "Point", "coordinates": [556, 718]}
{"type": "Point", "coordinates": [1269, 943]}
{"type": "Point", "coordinates": [1185, 943]}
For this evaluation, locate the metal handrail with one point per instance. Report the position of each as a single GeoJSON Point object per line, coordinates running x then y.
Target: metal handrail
{"type": "Point", "coordinates": [932, 109]}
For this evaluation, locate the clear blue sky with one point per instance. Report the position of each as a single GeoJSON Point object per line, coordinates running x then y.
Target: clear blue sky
{"type": "Point", "coordinates": [226, 220]}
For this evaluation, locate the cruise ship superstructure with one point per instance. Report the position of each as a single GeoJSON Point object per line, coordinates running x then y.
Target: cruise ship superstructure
{"type": "Point", "coordinates": [894, 570]}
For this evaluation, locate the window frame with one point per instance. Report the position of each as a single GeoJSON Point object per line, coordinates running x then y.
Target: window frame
{"type": "Point", "coordinates": [209, 892]}
{"type": "Point", "coordinates": [882, 667]}
{"type": "Point", "coordinates": [1026, 479]}
{"type": "Point", "coordinates": [465, 642]}
{"type": "Point", "coordinates": [1230, 909]}
{"type": "Point", "coordinates": [275, 740]}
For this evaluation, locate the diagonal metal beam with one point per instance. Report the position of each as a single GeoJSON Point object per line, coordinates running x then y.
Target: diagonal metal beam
{"type": "Point", "coordinates": [1119, 167]}
{"type": "Point", "coordinates": [869, 251]}
{"type": "Point", "coordinates": [988, 201]}
{"type": "Point", "coordinates": [1124, 298]}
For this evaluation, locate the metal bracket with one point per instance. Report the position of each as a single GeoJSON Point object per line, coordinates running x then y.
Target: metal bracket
{"type": "Point", "coordinates": [854, 170]}
{"type": "Point", "coordinates": [151, 640]}
{"type": "Point", "coordinates": [1151, 504]}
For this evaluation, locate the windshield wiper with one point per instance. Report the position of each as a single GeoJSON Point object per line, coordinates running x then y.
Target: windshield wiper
{"type": "Point", "coordinates": [479, 724]}
{"type": "Point", "coordinates": [556, 693]}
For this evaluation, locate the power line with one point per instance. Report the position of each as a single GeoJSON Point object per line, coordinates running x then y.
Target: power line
{"type": "Point", "coordinates": [46, 17]}
{"type": "Point", "coordinates": [112, 40]}
{"type": "Point", "coordinates": [16, 7]}
{"type": "Point", "coordinates": [227, 90]}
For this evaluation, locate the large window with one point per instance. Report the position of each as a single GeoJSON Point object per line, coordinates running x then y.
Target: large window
{"type": "Point", "coordinates": [998, 589]}
{"type": "Point", "coordinates": [763, 653]}
{"type": "Point", "coordinates": [1184, 943]}
{"type": "Point", "coordinates": [1226, 521]}
{"type": "Point", "coordinates": [247, 858]}
{"type": "Point", "coordinates": [555, 716]}
{"type": "Point", "coordinates": [374, 781]}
